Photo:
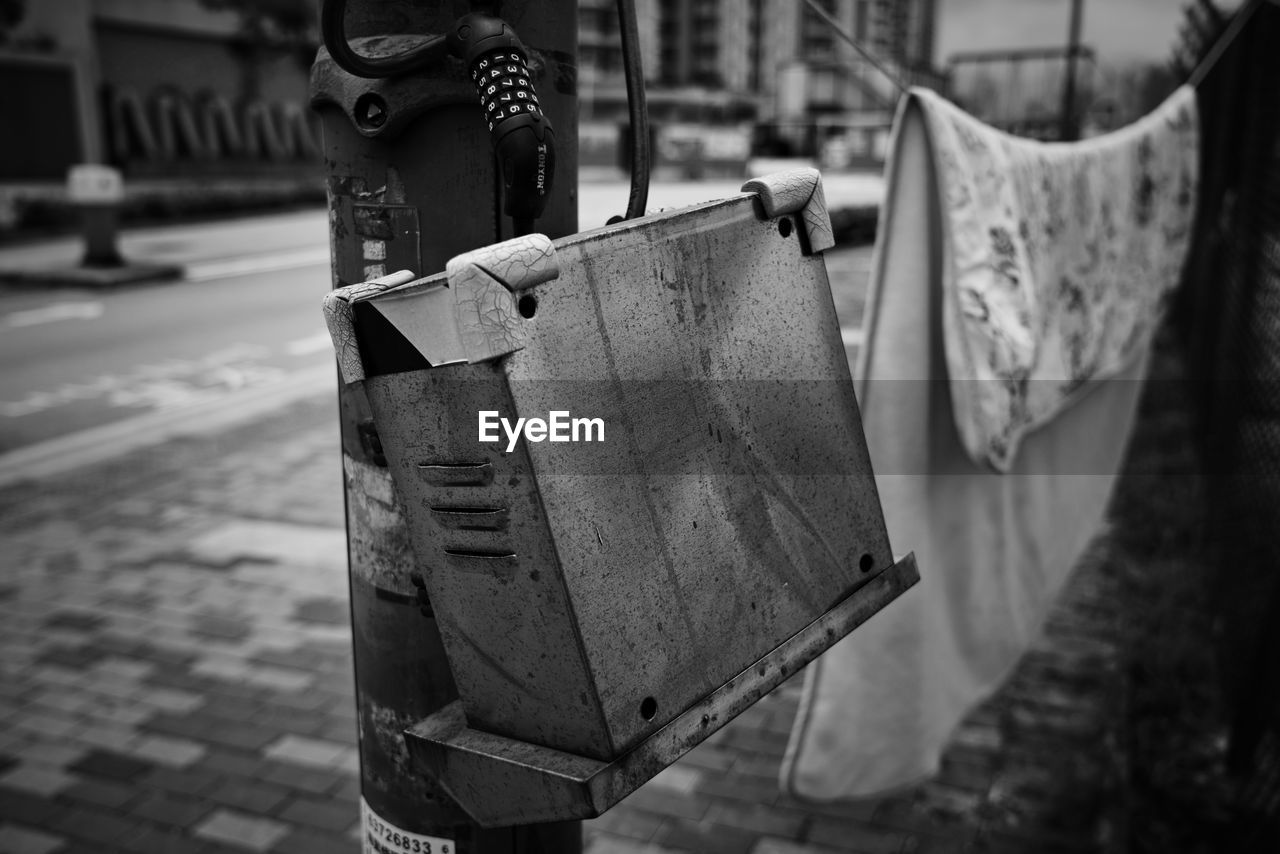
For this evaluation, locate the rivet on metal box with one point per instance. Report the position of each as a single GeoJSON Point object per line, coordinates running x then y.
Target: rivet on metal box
{"type": "Point", "coordinates": [607, 603]}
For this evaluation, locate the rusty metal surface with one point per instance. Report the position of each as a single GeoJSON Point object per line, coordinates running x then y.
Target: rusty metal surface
{"type": "Point", "coordinates": [501, 781]}
{"type": "Point", "coordinates": [731, 504]}
{"type": "Point", "coordinates": [411, 184]}
{"type": "Point", "coordinates": [506, 621]}
{"type": "Point", "coordinates": [396, 690]}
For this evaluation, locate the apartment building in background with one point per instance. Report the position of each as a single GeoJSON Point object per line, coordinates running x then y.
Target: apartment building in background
{"type": "Point", "coordinates": [817, 88]}
{"type": "Point", "coordinates": [773, 65]}
{"type": "Point", "coordinates": [144, 83]}
{"type": "Point", "coordinates": [166, 89]}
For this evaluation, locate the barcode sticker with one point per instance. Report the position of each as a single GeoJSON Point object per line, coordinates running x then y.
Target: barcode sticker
{"type": "Point", "coordinates": [382, 837]}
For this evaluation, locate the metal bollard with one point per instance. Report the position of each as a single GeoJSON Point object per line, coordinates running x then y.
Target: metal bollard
{"type": "Point", "coordinates": [98, 191]}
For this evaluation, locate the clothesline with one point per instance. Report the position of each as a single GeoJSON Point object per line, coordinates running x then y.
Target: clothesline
{"type": "Point", "coordinates": [1220, 46]}
{"type": "Point", "coordinates": [862, 51]}
{"type": "Point", "coordinates": [1202, 69]}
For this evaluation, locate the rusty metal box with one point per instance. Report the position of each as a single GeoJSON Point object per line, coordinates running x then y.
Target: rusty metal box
{"type": "Point", "coordinates": [608, 602]}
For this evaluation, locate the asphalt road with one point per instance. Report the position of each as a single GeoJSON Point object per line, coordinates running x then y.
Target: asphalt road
{"type": "Point", "coordinates": [247, 316]}
{"type": "Point", "coordinates": [79, 359]}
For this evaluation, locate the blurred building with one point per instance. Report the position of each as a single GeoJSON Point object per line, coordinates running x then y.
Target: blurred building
{"type": "Point", "coordinates": [1020, 90]}
{"type": "Point", "coordinates": [775, 58]}
{"type": "Point", "coordinates": [818, 90]}
{"type": "Point", "coordinates": [773, 65]}
{"type": "Point", "coordinates": [702, 83]}
{"type": "Point", "coordinates": [601, 84]}
{"type": "Point", "coordinates": [810, 71]}
{"type": "Point", "coordinates": [181, 88]}
{"type": "Point", "coordinates": [161, 87]}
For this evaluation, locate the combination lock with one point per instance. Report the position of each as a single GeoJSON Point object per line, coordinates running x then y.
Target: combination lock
{"type": "Point", "coordinates": [523, 141]}
{"type": "Point", "coordinates": [502, 77]}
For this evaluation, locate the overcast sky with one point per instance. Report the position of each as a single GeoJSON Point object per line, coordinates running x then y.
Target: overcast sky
{"type": "Point", "coordinates": [1119, 30]}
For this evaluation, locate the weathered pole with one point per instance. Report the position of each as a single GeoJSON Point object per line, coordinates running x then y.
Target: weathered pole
{"type": "Point", "coordinates": [1069, 126]}
{"type": "Point", "coordinates": [411, 183]}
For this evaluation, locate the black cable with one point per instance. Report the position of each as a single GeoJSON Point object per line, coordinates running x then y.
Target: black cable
{"type": "Point", "coordinates": [640, 155]}
{"type": "Point", "coordinates": [333, 29]}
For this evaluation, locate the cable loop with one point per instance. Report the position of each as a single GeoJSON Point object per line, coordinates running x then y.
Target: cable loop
{"type": "Point", "coordinates": [641, 161]}
{"type": "Point", "coordinates": [333, 29]}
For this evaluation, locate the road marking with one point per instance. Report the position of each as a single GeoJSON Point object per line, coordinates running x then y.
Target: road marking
{"type": "Point", "coordinates": [311, 344]}
{"type": "Point", "coordinates": [55, 312]}
{"type": "Point", "coordinates": [245, 266]}
{"type": "Point", "coordinates": [159, 385]}
{"type": "Point", "coordinates": [201, 418]}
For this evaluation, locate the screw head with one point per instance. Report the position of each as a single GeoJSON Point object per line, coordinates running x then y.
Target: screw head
{"type": "Point", "coordinates": [371, 110]}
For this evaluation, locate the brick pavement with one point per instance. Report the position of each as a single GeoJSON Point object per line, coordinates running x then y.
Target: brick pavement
{"type": "Point", "coordinates": [175, 675]}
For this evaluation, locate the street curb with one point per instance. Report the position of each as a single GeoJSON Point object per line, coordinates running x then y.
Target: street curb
{"type": "Point", "coordinates": [46, 208]}
{"type": "Point", "coordinates": [129, 273]}
{"type": "Point", "coordinates": [87, 447]}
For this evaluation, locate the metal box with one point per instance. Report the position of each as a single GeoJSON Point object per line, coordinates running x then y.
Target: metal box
{"type": "Point", "coordinates": [607, 604]}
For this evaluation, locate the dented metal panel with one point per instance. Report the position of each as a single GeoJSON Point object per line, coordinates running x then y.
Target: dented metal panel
{"type": "Point", "coordinates": [500, 603]}
{"type": "Point", "coordinates": [591, 593]}
{"type": "Point", "coordinates": [742, 501]}
{"type": "Point", "coordinates": [501, 781]}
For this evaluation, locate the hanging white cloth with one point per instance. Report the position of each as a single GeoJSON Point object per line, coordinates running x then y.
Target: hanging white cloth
{"type": "Point", "coordinates": [1013, 296]}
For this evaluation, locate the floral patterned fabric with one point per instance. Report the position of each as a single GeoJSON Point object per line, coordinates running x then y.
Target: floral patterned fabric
{"type": "Point", "coordinates": [1008, 278]}
{"type": "Point", "coordinates": [1058, 257]}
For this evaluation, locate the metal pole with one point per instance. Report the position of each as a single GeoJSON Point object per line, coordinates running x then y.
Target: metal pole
{"type": "Point", "coordinates": [1069, 128]}
{"type": "Point", "coordinates": [411, 183]}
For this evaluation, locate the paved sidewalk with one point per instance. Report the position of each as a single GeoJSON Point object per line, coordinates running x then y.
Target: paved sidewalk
{"type": "Point", "coordinates": [175, 675]}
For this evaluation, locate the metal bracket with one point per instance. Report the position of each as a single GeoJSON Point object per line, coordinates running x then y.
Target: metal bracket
{"type": "Point", "coordinates": [503, 781]}
{"type": "Point", "coordinates": [471, 316]}
{"type": "Point", "coordinates": [474, 313]}
{"type": "Point", "coordinates": [381, 109]}
{"type": "Point", "coordinates": [797, 191]}
{"type": "Point", "coordinates": [338, 317]}
{"type": "Point", "coordinates": [484, 283]}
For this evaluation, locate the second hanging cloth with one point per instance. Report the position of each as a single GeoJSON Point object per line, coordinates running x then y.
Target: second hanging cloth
{"type": "Point", "coordinates": [1013, 297]}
